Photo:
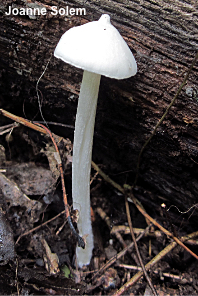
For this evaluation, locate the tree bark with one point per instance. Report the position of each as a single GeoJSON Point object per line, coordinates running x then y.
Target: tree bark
{"type": "Point", "coordinates": [163, 37]}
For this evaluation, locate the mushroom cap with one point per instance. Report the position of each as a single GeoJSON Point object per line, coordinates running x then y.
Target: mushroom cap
{"type": "Point", "coordinates": [97, 47]}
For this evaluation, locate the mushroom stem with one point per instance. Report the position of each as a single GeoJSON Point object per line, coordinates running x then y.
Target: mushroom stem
{"type": "Point", "coordinates": [81, 165]}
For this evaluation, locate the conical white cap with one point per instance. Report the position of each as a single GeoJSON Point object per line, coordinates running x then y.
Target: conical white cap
{"type": "Point", "coordinates": [97, 47]}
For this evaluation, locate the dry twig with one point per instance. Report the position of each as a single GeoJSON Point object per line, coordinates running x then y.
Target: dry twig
{"type": "Point", "coordinates": [108, 222]}
{"type": "Point", "coordinates": [163, 252]}
{"type": "Point", "coordinates": [136, 247]}
{"type": "Point", "coordinates": [43, 129]}
{"type": "Point", "coordinates": [158, 257]}
{"type": "Point", "coordinates": [180, 278]}
{"type": "Point", "coordinates": [38, 227]}
{"type": "Point", "coordinates": [119, 255]}
{"type": "Point", "coordinates": [23, 121]}
{"type": "Point", "coordinates": [80, 240]}
{"type": "Point", "coordinates": [168, 233]}
{"type": "Point", "coordinates": [138, 205]}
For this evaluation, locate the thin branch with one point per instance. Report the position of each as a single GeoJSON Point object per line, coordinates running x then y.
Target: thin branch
{"type": "Point", "coordinates": [80, 240]}
{"type": "Point", "coordinates": [120, 254]}
{"type": "Point", "coordinates": [104, 216]}
{"type": "Point", "coordinates": [107, 178]}
{"type": "Point", "coordinates": [7, 128]}
{"type": "Point", "coordinates": [150, 264]}
{"type": "Point", "coordinates": [23, 121]}
{"type": "Point", "coordinates": [38, 227]}
{"type": "Point", "coordinates": [44, 130]}
{"type": "Point", "coordinates": [180, 278]}
{"type": "Point", "coordinates": [57, 124]}
{"type": "Point", "coordinates": [161, 227]}
{"type": "Point", "coordinates": [58, 159]}
{"type": "Point", "coordinates": [136, 247]}
{"type": "Point", "coordinates": [136, 202]}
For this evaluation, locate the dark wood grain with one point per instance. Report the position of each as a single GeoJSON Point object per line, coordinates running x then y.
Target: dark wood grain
{"type": "Point", "coordinates": [163, 37]}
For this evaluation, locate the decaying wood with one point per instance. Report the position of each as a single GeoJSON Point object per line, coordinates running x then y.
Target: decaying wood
{"type": "Point", "coordinates": [164, 39]}
{"type": "Point", "coordinates": [7, 251]}
{"type": "Point", "coordinates": [13, 196]}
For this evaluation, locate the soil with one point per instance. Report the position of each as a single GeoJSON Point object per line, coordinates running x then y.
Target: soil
{"type": "Point", "coordinates": [37, 247]}
{"type": "Point", "coordinates": [26, 265]}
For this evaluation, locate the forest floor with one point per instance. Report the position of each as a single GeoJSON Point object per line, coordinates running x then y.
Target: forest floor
{"type": "Point", "coordinates": [37, 248]}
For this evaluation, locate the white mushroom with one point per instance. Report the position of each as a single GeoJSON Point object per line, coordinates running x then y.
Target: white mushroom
{"type": "Point", "coordinates": [99, 49]}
